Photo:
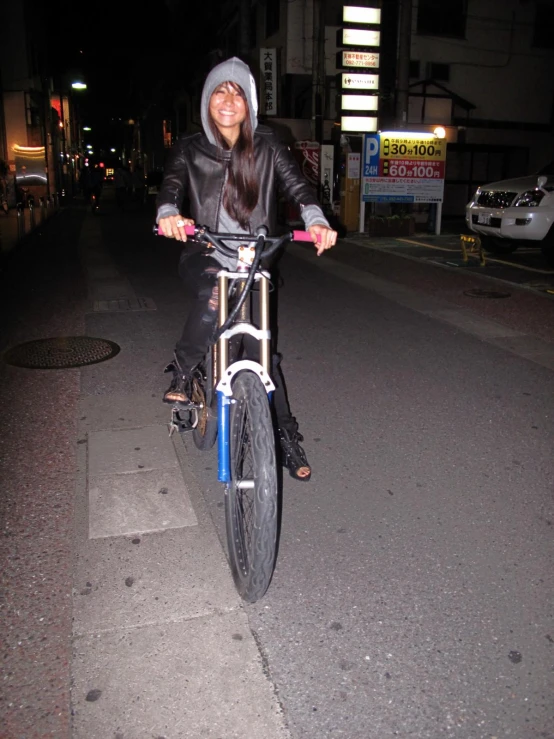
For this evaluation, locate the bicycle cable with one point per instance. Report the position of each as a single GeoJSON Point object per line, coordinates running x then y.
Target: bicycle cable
{"type": "Point", "coordinates": [245, 292]}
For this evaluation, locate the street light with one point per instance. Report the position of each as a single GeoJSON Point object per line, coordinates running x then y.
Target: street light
{"type": "Point", "coordinates": [78, 86]}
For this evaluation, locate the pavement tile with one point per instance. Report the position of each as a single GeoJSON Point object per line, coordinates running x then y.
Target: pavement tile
{"type": "Point", "coordinates": [132, 581]}
{"type": "Point", "coordinates": [146, 501]}
{"type": "Point", "coordinates": [130, 450]}
{"type": "Point", "coordinates": [197, 678]}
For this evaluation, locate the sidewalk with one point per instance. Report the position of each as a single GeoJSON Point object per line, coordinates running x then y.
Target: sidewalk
{"type": "Point", "coordinates": [121, 618]}
{"type": "Point", "coordinates": [16, 225]}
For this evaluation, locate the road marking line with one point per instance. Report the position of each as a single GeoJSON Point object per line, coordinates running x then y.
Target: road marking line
{"type": "Point", "coordinates": [489, 259]}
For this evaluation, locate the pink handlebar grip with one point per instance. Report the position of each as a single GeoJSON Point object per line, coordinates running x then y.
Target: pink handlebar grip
{"type": "Point", "coordinates": [189, 230]}
{"type": "Point", "coordinates": [304, 236]}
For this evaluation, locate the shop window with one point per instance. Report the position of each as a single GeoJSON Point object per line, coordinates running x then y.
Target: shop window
{"type": "Point", "coordinates": [439, 72]}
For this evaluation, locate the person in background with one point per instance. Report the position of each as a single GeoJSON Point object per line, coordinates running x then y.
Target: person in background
{"type": "Point", "coordinates": [4, 170]}
{"type": "Point", "coordinates": [85, 182]}
{"type": "Point", "coordinates": [122, 181]}
{"type": "Point", "coordinates": [230, 175]}
{"type": "Point", "coordinates": [96, 181]}
{"type": "Point", "coordinates": [139, 185]}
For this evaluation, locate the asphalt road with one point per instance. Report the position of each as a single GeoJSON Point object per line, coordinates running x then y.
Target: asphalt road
{"type": "Point", "coordinates": [413, 590]}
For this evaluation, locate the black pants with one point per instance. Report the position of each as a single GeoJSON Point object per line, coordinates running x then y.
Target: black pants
{"type": "Point", "coordinates": [199, 274]}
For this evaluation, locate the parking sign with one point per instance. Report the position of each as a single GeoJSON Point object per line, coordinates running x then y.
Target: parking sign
{"type": "Point", "coordinates": [403, 167]}
{"type": "Point", "coordinates": [371, 155]}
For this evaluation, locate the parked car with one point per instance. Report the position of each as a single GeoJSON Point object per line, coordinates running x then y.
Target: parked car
{"type": "Point", "coordinates": [512, 213]}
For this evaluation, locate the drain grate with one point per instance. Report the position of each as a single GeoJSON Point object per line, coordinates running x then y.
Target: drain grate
{"type": "Point", "coordinates": [486, 294]}
{"type": "Point", "coordinates": [61, 352]}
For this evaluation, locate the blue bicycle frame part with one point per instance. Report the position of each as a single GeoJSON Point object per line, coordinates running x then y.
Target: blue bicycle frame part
{"type": "Point", "coordinates": [223, 466]}
{"type": "Point", "coordinates": [224, 399]}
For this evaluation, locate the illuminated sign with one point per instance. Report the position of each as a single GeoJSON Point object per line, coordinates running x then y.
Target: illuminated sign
{"type": "Point", "coordinates": [361, 59]}
{"type": "Point", "coordinates": [29, 150]}
{"type": "Point", "coordinates": [359, 102]}
{"type": "Point", "coordinates": [358, 123]}
{"type": "Point", "coordinates": [351, 81]}
{"type": "Point", "coordinates": [360, 37]}
{"type": "Point", "coordinates": [351, 14]}
{"type": "Point", "coordinates": [403, 167]}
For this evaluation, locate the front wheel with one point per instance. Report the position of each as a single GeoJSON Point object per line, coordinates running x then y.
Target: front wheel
{"type": "Point", "coordinates": [251, 500]}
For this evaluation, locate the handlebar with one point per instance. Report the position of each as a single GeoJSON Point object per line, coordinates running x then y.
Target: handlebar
{"type": "Point", "coordinates": [265, 246]}
{"type": "Point", "coordinates": [215, 239]}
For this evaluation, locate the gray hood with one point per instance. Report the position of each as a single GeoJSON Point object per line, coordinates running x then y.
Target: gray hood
{"type": "Point", "coordinates": [232, 70]}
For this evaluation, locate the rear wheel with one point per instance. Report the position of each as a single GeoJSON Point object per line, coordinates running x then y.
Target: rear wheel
{"type": "Point", "coordinates": [251, 499]}
{"type": "Point", "coordinates": [494, 245]}
{"type": "Point", "coordinates": [203, 394]}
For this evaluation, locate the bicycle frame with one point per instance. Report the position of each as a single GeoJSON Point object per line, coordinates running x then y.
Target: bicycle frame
{"type": "Point", "coordinates": [249, 256]}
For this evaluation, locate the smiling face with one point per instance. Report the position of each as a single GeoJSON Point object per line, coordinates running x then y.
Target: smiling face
{"type": "Point", "coordinates": [228, 110]}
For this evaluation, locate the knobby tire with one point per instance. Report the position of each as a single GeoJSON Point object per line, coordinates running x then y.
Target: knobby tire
{"type": "Point", "coordinates": [251, 514]}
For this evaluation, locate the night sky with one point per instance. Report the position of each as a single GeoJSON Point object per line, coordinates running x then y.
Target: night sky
{"type": "Point", "coordinates": [131, 58]}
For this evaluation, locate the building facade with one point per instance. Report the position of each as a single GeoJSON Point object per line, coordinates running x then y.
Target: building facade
{"type": "Point", "coordinates": [39, 126]}
{"type": "Point", "coordinates": [483, 69]}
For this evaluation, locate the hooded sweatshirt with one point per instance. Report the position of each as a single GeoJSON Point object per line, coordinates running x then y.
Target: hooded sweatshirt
{"type": "Point", "coordinates": [235, 70]}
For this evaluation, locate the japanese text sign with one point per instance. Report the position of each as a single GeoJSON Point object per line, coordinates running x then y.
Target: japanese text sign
{"type": "Point", "coordinates": [268, 66]}
{"type": "Point", "coordinates": [403, 167]}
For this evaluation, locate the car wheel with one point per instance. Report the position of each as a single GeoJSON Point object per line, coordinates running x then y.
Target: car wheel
{"type": "Point", "coordinates": [494, 245]}
{"type": "Point", "coordinates": [547, 247]}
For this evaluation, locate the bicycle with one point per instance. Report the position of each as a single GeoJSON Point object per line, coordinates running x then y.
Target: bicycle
{"type": "Point", "coordinates": [231, 403]}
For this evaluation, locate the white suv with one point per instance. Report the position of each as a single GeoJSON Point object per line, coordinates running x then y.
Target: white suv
{"type": "Point", "coordinates": [511, 213]}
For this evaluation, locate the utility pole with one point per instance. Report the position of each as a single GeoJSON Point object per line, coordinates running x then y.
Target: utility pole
{"type": "Point", "coordinates": [318, 68]}
{"type": "Point", "coordinates": [404, 50]}
{"type": "Point", "coordinates": [244, 29]}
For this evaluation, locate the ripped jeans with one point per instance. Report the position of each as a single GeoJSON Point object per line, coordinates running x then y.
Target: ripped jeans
{"type": "Point", "coordinates": [199, 275]}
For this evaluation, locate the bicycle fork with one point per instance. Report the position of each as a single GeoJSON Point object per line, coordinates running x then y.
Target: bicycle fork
{"type": "Point", "coordinates": [225, 371]}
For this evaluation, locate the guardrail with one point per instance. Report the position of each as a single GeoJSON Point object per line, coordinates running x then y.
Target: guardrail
{"type": "Point", "coordinates": [17, 223]}
{"type": "Point", "coordinates": [30, 216]}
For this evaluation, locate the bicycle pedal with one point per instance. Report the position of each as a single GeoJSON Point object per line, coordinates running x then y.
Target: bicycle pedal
{"type": "Point", "coordinates": [181, 425]}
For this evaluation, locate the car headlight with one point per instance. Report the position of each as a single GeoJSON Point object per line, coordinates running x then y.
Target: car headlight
{"type": "Point", "coordinates": [529, 199]}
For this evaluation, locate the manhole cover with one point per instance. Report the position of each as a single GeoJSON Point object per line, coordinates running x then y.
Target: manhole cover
{"type": "Point", "coordinates": [486, 294]}
{"type": "Point", "coordinates": [61, 352]}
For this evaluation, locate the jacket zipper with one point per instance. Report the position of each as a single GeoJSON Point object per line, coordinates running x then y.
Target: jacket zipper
{"type": "Point", "coordinates": [220, 200]}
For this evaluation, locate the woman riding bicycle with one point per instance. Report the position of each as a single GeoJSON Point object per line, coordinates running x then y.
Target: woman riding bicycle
{"type": "Point", "coordinates": [230, 175]}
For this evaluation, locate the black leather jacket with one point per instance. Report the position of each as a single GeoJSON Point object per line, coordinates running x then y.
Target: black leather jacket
{"type": "Point", "coordinates": [195, 171]}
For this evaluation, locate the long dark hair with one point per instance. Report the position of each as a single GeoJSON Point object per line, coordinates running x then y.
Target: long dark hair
{"type": "Point", "coordinates": [242, 189]}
